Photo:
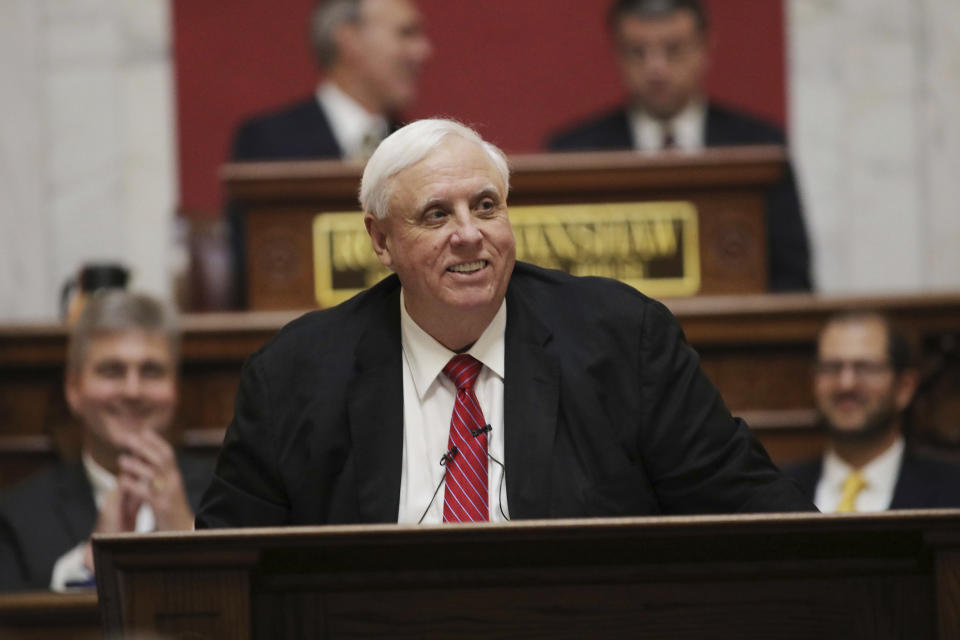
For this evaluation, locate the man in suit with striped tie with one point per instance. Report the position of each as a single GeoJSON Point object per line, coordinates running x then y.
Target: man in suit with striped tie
{"type": "Point", "coordinates": [468, 386]}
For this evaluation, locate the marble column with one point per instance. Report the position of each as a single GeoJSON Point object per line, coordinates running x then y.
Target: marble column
{"type": "Point", "coordinates": [875, 130]}
{"type": "Point", "coordinates": [88, 154]}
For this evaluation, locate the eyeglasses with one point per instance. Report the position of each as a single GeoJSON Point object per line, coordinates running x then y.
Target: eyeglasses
{"type": "Point", "coordinates": [860, 368]}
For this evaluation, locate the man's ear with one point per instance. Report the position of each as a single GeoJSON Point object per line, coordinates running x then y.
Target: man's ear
{"type": "Point", "coordinates": [377, 231]}
{"type": "Point", "coordinates": [906, 387]}
{"type": "Point", "coordinates": [347, 37]}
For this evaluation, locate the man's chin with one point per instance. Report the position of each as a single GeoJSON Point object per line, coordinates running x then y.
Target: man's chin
{"type": "Point", "coordinates": [872, 428]}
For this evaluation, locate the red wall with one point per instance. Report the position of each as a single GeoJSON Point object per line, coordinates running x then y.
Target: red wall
{"type": "Point", "coordinates": [516, 69]}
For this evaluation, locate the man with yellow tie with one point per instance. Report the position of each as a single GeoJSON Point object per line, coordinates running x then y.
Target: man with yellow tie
{"type": "Point", "coordinates": [864, 380]}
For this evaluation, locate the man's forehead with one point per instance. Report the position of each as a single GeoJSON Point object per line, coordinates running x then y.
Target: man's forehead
{"type": "Point", "coordinates": [384, 8]}
{"type": "Point", "coordinates": [862, 336]}
{"type": "Point", "coordinates": [455, 157]}
{"type": "Point", "coordinates": [121, 344]}
{"type": "Point", "coordinates": [636, 24]}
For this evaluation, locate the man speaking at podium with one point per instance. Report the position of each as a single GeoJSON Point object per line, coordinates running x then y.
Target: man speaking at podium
{"type": "Point", "coordinates": [469, 387]}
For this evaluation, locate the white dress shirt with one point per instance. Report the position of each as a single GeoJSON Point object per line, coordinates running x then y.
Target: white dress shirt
{"type": "Point", "coordinates": [688, 127]}
{"type": "Point", "coordinates": [349, 121]}
{"type": "Point", "coordinates": [428, 398]}
{"type": "Point", "coordinates": [880, 475]}
{"type": "Point", "coordinates": [69, 567]}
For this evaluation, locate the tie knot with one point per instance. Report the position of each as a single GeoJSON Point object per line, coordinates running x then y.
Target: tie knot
{"type": "Point", "coordinates": [852, 486]}
{"type": "Point", "coordinates": [855, 482]}
{"type": "Point", "coordinates": [463, 369]}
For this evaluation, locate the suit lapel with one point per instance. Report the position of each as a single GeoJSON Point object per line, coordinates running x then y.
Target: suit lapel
{"type": "Point", "coordinates": [375, 409]}
{"type": "Point", "coordinates": [914, 489]}
{"type": "Point", "coordinates": [75, 505]}
{"type": "Point", "coordinates": [324, 142]}
{"type": "Point", "coordinates": [618, 133]}
{"type": "Point", "coordinates": [531, 400]}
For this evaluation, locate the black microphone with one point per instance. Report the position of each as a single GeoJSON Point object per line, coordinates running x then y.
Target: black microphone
{"type": "Point", "coordinates": [448, 457]}
{"type": "Point", "coordinates": [484, 429]}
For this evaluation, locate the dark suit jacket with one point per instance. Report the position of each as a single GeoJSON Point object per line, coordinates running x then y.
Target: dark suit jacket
{"type": "Point", "coordinates": [788, 250]}
{"type": "Point", "coordinates": [606, 413]}
{"type": "Point", "coordinates": [52, 511]}
{"type": "Point", "coordinates": [923, 482]}
{"type": "Point", "coordinates": [298, 131]}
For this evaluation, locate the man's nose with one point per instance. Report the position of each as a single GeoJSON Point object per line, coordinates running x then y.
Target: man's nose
{"type": "Point", "coordinates": [466, 231]}
{"type": "Point", "coordinates": [848, 377]}
{"type": "Point", "coordinates": [132, 384]}
{"type": "Point", "coordinates": [657, 61]}
{"type": "Point", "coordinates": [424, 48]}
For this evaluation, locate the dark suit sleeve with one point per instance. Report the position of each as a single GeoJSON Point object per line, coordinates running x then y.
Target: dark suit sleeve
{"type": "Point", "coordinates": [699, 458]}
{"type": "Point", "coordinates": [12, 572]}
{"type": "Point", "coordinates": [247, 489]}
{"type": "Point", "coordinates": [788, 248]}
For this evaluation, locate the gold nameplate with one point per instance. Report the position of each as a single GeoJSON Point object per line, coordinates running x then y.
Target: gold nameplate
{"type": "Point", "coordinates": [652, 246]}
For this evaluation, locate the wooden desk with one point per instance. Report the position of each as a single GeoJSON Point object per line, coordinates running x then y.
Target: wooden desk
{"type": "Point", "coordinates": [43, 615]}
{"type": "Point", "coordinates": [757, 349]}
{"type": "Point", "coordinates": [892, 575]}
{"type": "Point", "coordinates": [728, 187]}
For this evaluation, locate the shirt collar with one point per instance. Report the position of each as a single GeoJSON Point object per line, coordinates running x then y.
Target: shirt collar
{"type": "Point", "coordinates": [349, 121]}
{"type": "Point", "coordinates": [101, 480]}
{"type": "Point", "coordinates": [688, 128]}
{"type": "Point", "coordinates": [427, 357]}
{"type": "Point", "coordinates": [880, 473]}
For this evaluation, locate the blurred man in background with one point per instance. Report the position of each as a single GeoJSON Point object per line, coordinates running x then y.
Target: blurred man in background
{"type": "Point", "coordinates": [121, 385]}
{"type": "Point", "coordinates": [864, 380]}
{"type": "Point", "coordinates": [371, 53]}
{"type": "Point", "coordinates": [663, 52]}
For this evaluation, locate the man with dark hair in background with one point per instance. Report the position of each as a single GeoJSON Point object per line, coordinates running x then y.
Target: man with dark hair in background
{"type": "Point", "coordinates": [121, 384]}
{"type": "Point", "coordinates": [663, 53]}
{"type": "Point", "coordinates": [371, 53]}
{"type": "Point", "coordinates": [863, 383]}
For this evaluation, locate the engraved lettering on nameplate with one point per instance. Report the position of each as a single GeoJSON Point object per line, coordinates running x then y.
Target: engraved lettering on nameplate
{"type": "Point", "coordinates": [652, 246]}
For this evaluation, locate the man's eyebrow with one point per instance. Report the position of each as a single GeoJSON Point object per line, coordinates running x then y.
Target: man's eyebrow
{"type": "Point", "coordinates": [489, 189]}
{"type": "Point", "coordinates": [431, 202]}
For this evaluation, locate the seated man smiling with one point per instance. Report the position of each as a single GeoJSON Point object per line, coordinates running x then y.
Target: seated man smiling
{"type": "Point", "coordinates": [121, 384]}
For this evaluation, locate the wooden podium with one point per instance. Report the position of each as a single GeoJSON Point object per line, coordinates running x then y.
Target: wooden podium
{"type": "Point", "coordinates": [727, 186]}
{"type": "Point", "coordinates": [890, 575]}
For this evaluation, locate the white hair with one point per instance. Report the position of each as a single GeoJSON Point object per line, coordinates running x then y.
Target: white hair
{"type": "Point", "coordinates": [409, 145]}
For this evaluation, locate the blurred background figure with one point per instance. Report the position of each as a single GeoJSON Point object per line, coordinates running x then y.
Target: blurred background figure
{"type": "Point", "coordinates": [371, 53]}
{"type": "Point", "coordinates": [662, 47]}
{"type": "Point", "coordinates": [121, 384]}
{"type": "Point", "coordinates": [864, 380]}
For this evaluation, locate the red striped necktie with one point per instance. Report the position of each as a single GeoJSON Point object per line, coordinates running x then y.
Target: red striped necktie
{"type": "Point", "coordinates": [465, 497]}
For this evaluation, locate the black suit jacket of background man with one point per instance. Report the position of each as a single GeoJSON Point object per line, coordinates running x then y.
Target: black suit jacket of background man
{"type": "Point", "coordinates": [295, 132]}
{"type": "Point", "coordinates": [788, 251]}
{"type": "Point", "coordinates": [606, 413]}
{"type": "Point", "coordinates": [299, 131]}
{"type": "Point", "coordinates": [922, 483]}
{"type": "Point", "coordinates": [53, 511]}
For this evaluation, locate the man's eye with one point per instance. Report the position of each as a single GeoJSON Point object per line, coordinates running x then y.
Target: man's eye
{"type": "Point", "coordinates": [435, 215]}
{"type": "Point", "coordinates": [153, 371]}
{"type": "Point", "coordinates": [487, 205]}
{"type": "Point", "coordinates": [111, 370]}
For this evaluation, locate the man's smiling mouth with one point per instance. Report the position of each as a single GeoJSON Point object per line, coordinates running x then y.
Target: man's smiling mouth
{"type": "Point", "coordinates": [468, 267]}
